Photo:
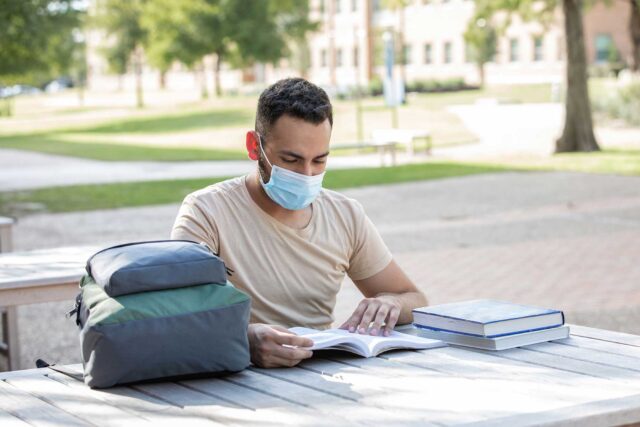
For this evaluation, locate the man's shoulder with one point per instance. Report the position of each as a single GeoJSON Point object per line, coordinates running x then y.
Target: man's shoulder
{"type": "Point", "coordinates": [230, 188]}
{"type": "Point", "coordinates": [341, 203]}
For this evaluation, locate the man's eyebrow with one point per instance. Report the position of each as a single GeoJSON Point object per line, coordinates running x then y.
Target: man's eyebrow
{"type": "Point", "coordinates": [298, 156]}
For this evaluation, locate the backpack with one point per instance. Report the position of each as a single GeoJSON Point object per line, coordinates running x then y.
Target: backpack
{"type": "Point", "coordinates": [158, 310]}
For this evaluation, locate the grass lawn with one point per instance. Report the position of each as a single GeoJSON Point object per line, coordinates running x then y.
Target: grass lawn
{"type": "Point", "coordinates": [111, 196]}
{"type": "Point", "coordinates": [203, 131]}
{"type": "Point", "coordinates": [609, 161]}
{"type": "Point", "coordinates": [55, 144]}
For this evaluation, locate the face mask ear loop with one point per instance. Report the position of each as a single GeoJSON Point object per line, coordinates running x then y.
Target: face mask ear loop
{"type": "Point", "coordinates": [262, 149]}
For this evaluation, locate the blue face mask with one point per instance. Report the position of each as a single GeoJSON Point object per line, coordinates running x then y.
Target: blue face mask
{"type": "Point", "coordinates": [289, 189]}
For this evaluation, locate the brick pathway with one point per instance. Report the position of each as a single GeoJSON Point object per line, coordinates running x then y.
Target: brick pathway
{"type": "Point", "coordinates": [563, 240]}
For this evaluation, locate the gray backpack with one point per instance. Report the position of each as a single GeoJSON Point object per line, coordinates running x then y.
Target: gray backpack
{"type": "Point", "coordinates": [158, 310]}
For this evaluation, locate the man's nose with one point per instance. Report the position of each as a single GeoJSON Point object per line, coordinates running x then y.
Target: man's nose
{"type": "Point", "coordinates": [307, 169]}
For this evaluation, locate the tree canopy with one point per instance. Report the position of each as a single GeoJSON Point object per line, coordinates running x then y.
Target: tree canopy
{"type": "Point", "coordinates": [38, 39]}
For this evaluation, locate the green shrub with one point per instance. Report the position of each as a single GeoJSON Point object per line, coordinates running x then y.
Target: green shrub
{"type": "Point", "coordinates": [623, 104]}
{"type": "Point", "coordinates": [432, 85]}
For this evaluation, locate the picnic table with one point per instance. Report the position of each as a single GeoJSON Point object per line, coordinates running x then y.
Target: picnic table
{"type": "Point", "coordinates": [591, 378]}
{"type": "Point", "coordinates": [32, 277]}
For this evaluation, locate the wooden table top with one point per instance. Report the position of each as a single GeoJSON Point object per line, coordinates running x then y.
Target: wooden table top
{"type": "Point", "coordinates": [591, 378]}
{"type": "Point", "coordinates": [42, 267]}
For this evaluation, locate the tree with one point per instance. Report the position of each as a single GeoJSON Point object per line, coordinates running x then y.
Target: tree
{"type": "Point", "coordinates": [634, 29]}
{"type": "Point", "coordinates": [481, 39]}
{"type": "Point", "coordinates": [169, 38]}
{"type": "Point", "coordinates": [577, 134]}
{"type": "Point", "coordinates": [121, 20]}
{"type": "Point", "coordinates": [238, 32]}
{"type": "Point", "coordinates": [37, 40]}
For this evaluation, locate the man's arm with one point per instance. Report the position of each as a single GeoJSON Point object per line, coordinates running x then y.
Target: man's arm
{"type": "Point", "coordinates": [389, 298]}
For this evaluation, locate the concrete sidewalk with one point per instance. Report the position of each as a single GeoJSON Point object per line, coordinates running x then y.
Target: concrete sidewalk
{"type": "Point", "coordinates": [23, 170]}
{"type": "Point", "coordinates": [564, 240]}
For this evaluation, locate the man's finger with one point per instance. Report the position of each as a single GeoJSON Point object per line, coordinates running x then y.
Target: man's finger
{"type": "Point", "coordinates": [352, 323]}
{"type": "Point", "coordinates": [291, 353]}
{"type": "Point", "coordinates": [367, 317]}
{"type": "Point", "coordinates": [292, 339]}
{"type": "Point", "coordinates": [381, 316]}
{"type": "Point", "coordinates": [394, 314]}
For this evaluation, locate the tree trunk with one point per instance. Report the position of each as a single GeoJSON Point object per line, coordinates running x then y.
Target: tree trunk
{"type": "Point", "coordinates": [634, 27]}
{"type": "Point", "coordinates": [216, 75]}
{"type": "Point", "coordinates": [202, 77]}
{"type": "Point", "coordinates": [138, 72]}
{"type": "Point", "coordinates": [578, 125]}
{"type": "Point", "coordinates": [162, 79]}
{"type": "Point", "coordinates": [481, 73]}
{"type": "Point", "coordinates": [403, 72]}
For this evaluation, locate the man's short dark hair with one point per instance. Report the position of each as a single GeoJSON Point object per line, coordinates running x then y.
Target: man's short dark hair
{"type": "Point", "coordinates": [295, 97]}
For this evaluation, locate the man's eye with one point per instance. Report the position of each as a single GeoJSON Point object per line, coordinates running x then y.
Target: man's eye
{"type": "Point", "coordinates": [289, 160]}
{"type": "Point", "coordinates": [320, 162]}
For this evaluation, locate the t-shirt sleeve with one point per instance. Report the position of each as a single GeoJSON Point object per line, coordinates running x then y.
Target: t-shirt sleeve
{"type": "Point", "coordinates": [370, 255]}
{"type": "Point", "coordinates": [195, 224]}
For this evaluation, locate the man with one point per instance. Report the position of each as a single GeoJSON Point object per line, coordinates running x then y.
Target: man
{"type": "Point", "coordinates": [290, 242]}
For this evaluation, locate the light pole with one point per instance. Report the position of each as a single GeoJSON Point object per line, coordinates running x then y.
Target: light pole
{"type": "Point", "coordinates": [390, 95]}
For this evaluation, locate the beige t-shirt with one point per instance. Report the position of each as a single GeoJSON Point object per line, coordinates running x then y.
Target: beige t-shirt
{"type": "Point", "coordinates": [292, 275]}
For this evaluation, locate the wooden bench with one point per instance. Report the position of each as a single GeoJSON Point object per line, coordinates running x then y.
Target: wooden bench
{"type": "Point", "coordinates": [32, 277]}
{"type": "Point", "coordinates": [385, 147]}
{"type": "Point", "coordinates": [408, 137]}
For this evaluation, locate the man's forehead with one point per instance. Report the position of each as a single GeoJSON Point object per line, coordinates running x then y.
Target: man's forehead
{"type": "Point", "coordinates": [287, 124]}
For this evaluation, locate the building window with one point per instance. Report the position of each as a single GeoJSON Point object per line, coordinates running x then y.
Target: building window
{"type": "Point", "coordinates": [447, 53]}
{"type": "Point", "coordinates": [406, 54]}
{"type": "Point", "coordinates": [356, 56]}
{"type": "Point", "coordinates": [339, 58]}
{"type": "Point", "coordinates": [513, 50]}
{"type": "Point", "coordinates": [427, 54]}
{"type": "Point", "coordinates": [604, 46]}
{"type": "Point", "coordinates": [354, 5]}
{"type": "Point", "coordinates": [538, 49]}
{"type": "Point", "coordinates": [323, 58]}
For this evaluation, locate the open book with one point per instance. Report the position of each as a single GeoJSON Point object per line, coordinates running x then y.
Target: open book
{"type": "Point", "coordinates": [364, 345]}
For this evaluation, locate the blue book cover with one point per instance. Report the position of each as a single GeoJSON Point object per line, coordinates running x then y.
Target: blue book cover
{"type": "Point", "coordinates": [462, 316]}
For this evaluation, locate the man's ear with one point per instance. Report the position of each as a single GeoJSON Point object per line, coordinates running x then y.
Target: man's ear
{"type": "Point", "coordinates": [252, 145]}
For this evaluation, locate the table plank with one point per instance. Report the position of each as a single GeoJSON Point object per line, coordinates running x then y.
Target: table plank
{"type": "Point", "coordinates": [136, 402]}
{"type": "Point", "coordinates": [569, 364]}
{"type": "Point", "coordinates": [328, 401]}
{"type": "Point", "coordinates": [292, 413]}
{"type": "Point", "coordinates": [590, 355]}
{"type": "Point", "coordinates": [614, 412]}
{"type": "Point", "coordinates": [79, 404]}
{"type": "Point", "coordinates": [604, 335]}
{"type": "Point", "coordinates": [32, 410]}
{"type": "Point", "coordinates": [603, 346]}
{"type": "Point", "coordinates": [8, 420]}
{"type": "Point", "coordinates": [406, 390]}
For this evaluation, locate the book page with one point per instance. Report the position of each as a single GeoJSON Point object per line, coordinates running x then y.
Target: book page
{"type": "Point", "coordinates": [364, 345]}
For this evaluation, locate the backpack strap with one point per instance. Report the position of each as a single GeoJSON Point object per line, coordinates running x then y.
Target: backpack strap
{"type": "Point", "coordinates": [68, 372]}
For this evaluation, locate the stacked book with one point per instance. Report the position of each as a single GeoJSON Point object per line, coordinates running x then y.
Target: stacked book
{"type": "Point", "coordinates": [490, 324]}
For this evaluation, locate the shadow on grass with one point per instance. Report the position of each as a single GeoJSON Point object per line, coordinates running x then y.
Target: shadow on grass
{"type": "Point", "coordinates": [53, 144]}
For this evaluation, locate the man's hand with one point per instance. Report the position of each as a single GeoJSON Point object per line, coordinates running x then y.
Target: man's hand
{"type": "Point", "coordinates": [275, 347]}
{"type": "Point", "coordinates": [381, 310]}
